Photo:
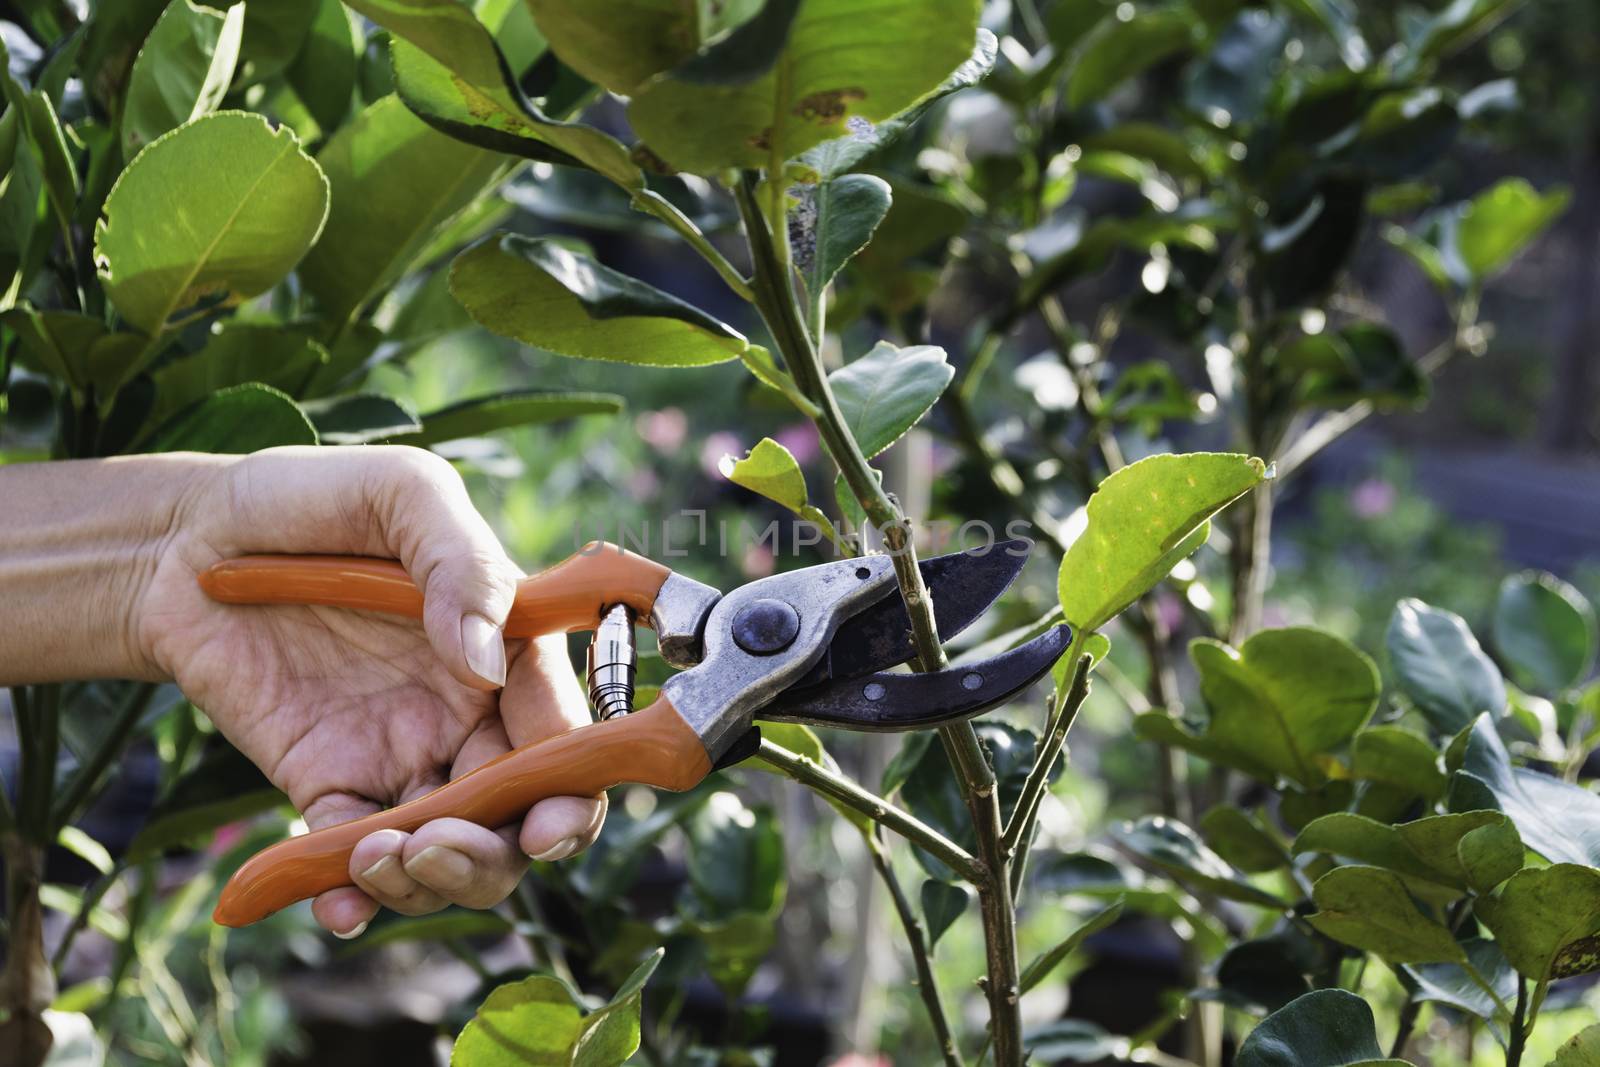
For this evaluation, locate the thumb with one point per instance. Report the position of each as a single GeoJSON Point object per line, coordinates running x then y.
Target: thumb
{"type": "Point", "coordinates": [468, 582]}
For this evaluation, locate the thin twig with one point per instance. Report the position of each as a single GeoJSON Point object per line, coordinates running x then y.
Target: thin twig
{"type": "Point", "coordinates": [810, 773]}
{"type": "Point", "coordinates": [916, 938]}
{"type": "Point", "coordinates": [1019, 829]}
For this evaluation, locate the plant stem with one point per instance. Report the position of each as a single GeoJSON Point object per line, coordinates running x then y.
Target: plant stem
{"type": "Point", "coordinates": [90, 775]}
{"type": "Point", "coordinates": [652, 203]}
{"type": "Point", "coordinates": [810, 773]}
{"type": "Point", "coordinates": [1408, 1023]}
{"type": "Point", "coordinates": [1519, 1033]}
{"type": "Point", "coordinates": [1020, 826]}
{"type": "Point", "coordinates": [775, 298]}
{"type": "Point", "coordinates": [927, 988]}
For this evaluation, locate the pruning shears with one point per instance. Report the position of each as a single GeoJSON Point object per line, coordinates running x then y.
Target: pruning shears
{"type": "Point", "coordinates": [813, 646]}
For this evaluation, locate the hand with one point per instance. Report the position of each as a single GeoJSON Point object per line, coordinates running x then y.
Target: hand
{"type": "Point", "coordinates": [350, 712]}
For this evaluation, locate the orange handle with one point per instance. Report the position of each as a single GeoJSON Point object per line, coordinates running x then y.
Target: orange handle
{"type": "Point", "coordinates": [569, 596]}
{"type": "Point", "coordinates": [651, 747]}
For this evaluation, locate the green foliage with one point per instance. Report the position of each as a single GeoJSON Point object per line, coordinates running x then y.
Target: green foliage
{"type": "Point", "coordinates": [1327, 1028]}
{"type": "Point", "coordinates": [1439, 665]}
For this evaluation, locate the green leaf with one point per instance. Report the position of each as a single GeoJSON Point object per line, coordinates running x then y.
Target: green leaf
{"type": "Point", "coordinates": [1545, 631]}
{"type": "Point", "coordinates": [1141, 521]}
{"type": "Point", "coordinates": [736, 860]}
{"type": "Point", "coordinates": [1074, 1041]}
{"type": "Point", "coordinates": [1268, 972]}
{"type": "Point", "coordinates": [1178, 850]}
{"type": "Point", "coordinates": [22, 207]}
{"type": "Point", "coordinates": [1277, 705]}
{"type": "Point", "coordinates": [1116, 50]}
{"type": "Point", "coordinates": [1457, 23]}
{"type": "Point", "coordinates": [1547, 921]}
{"type": "Point", "coordinates": [218, 210]}
{"type": "Point", "coordinates": [242, 419]}
{"type": "Point", "coordinates": [1363, 361]}
{"type": "Point", "coordinates": [360, 418]}
{"type": "Point", "coordinates": [238, 352]}
{"type": "Point", "coordinates": [323, 73]}
{"type": "Point", "coordinates": [835, 66]}
{"type": "Point", "coordinates": [621, 43]}
{"type": "Point", "coordinates": [223, 787]}
{"type": "Point", "coordinates": [542, 294]}
{"type": "Point", "coordinates": [451, 923]}
{"type": "Point", "coordinates": [930, 788]}
{"type": "Point", "coordinates": [1499, 223]}
{"type": "Point", "coordinates": [505, 411]}
{"type": "Point", "coordinates": [1558, 820]}
{"type": "Point", "coordinates": [1583, 1050]}
{"type": "Point", "coordinates": [182, 71]}
{"type": "Point", "coordinates": [55, 343]}
{"type": "Point", "coordinates": [449, 71]}
{"type": "Point", "coordinates": [1324, 1028]}
{"type": "Point", "coordinates": [771, 471]}
{"type": "Point", "coordinates": [885, 392]}
{"type": "Point", "coordinates": [1477, 849]}
{"type": "Point", "coordinates": [1242, 840]}
{"type": "Point", "coordinates": [1371, 909]}
{"type": "Point", "coordinates": [1453, 984]}
{"type": "Point", "coordinates": [848, 210]}
{"type": "Point", "coordinates": [1395, 756]}
{"type": "Point", "coordinates": [379, 225]}
{"type": "Point", "coordinates": [1040, 968]}
{"type": "Point", "coordinates": [942, 904]}
{"type": "Point", "coordinates": [1440, 667]}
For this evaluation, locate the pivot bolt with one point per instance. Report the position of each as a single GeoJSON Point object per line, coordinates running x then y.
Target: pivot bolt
{"type": "Point", "coordinates": [763, 627]}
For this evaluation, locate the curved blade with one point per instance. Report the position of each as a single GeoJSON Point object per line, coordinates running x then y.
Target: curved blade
{"type": "Point", "coordinates": [914, 701]}
{"type": "Point", "coordinates": [963, 585]}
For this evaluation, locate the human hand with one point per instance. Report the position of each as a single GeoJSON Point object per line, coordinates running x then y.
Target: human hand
{"type": "Point", "coordinates": [351, 712]}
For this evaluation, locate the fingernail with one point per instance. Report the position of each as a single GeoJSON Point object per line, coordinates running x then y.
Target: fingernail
{"type": "Point", "coordinates": [558, 851]}
{"type": "Point", "coordinates": [440, 867]}
{"type": "Point", "coordinates": [485, 648]}
{"type": "Point", "coordinates": [351, 934]}
{"type": "Point", "coordinates": [377, 870]}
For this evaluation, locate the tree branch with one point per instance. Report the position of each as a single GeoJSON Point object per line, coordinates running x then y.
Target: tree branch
{"type": "Point", "coordinates": [927, 988]}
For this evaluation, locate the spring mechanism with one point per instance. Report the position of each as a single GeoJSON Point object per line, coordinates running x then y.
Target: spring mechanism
{"type": "Point", "coordinates": [613, 658]}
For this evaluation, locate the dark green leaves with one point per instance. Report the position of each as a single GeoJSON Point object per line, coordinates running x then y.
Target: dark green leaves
{"type": "Point", "coordinates": [1277, 704]}
{"type": "Point", "coordinates": [1439, 666]}
{"type": "Point", "coordinates": [360, 419]}
{"type": "Point", "coordinates": [621, 43]}
{"type": "Point", "coordinates": [1169, 500]}
{"type": "Point", "coordinates": [942, 904]}
{"type": "Point", "coordinates": [1558, 820]}
{"type": "Point", "coordinates": [541, 1020]}
{"type": "Point", "coordinates": [245, 418]}
{"type": "Point", "coordinates": [1547, 920]}
{"type": "Point", "coordinates": [1117, 50]}
{"type": "Point", "coordinates": [1325, 1028]}
{"type": "Point", "coordinates": [216, 211]}
{"type": "Point", "coordinates": [1178, 851]}
{"type": "Point", "coordinates": [1371, 909]}
{"type": "Point", "coordinates": [543, 294]}
{"type": "Point", "coordinates": [505, 411]}
{"type": "Point", "coordinates": [848, 210]}
{"type": "Point", "coordinates": [1545, 631]}
{"type": "Point", "coordinates": [1441, 856]}
{"type": "Point", "coordinates": [885, 392]}
{"type": "Point", "coordinates": [182, 71]}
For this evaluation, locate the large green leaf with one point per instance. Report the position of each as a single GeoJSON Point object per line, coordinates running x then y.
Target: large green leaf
{"type": "Point", "coordinates": [360, 418]}
{"type": "Point", "coordinates": [1583, 1050]}
{"type": "Point", "coordinates": [1370, 908]}
{"type": "Point", "coordinates": [1545, 631]}
{"type": "Point", "coordinates": [621, 43]}
{"type": "Point", "coordinates": [1141, 521]}
{"type": "Point", "coordinates": [505, 411]}
{"type": "Point", "coordinates": [540, 1021]}
{"type": "Point", "coordinates": [216, 211]}
{"type": "Point", "coordinates": [274, 31]}
{"type": "Point", "coordinates": [1242, 840]}
{"type": "Point", "coordinates": [840, 60]}
{"type": "Point", "coordinates": [1547, 920]}
{"type": "Point", "coordinates": [238, 352]}
{"type": "Point", "coordinates": [242, 419]}
{"type": "Point", "coordinates": [394, 182]}
{"type": "Point", "coordinates": [1277, 704]}
{"type": "Point", "coordinates": [323, 74]}
{"type": "Point", "coordinates": [1440, 667]}
{"type": "Point", "coordinates": [933, 793]}
{"type": "Point", "coordinates": [885, 392]}
{"type": "Point", "coordinates": [1118, 49]}
{"type": "Point", "coordinates": [454, 76]}
{"type": "Point", "coordinates": [1499, 223]}
{"type": "Point", "coordinates": [846, 212]}
{"type": "Point", "coordinates": [1324, 1028]}
{"type": "Point", "coordinates": [182, 71]}
{"type": "Point", "coordinates": [1558, 820]}
{"type": "Point", "coordinates": [22, 207]}
{"type": "Point", "coordinates": [545, 295]}
{"type": "Point", "coordinates": [1455, 985]}
{"type": "Point", "coordinates": [1178, 851]}
{"type": "Point", "coordinates": [1446, 854]}
{"type": "Point", "coordinates": [1395, 756]}
{"type": "Point", "coordinates": [942, 904]}
{"type": "Point", "coordinates": [736, 860]}
{"type": "Point", "coordinates": [771, 470]}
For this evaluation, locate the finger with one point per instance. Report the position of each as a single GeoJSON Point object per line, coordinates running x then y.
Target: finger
{"type": "Point", "coordinates": [468, 582]}
{"type": "Point", "coordinates": [346, 911]}
{"type": "Point", "coordinates": [542, 697]}
{"type": "Point", "coordinates": [377, 866]}
{"type": "Point", "coordinates": [561, 827]}
{"type": "Point", "coordinates": [463, 863]}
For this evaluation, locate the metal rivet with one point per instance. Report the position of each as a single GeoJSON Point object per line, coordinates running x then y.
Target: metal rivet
{"type": "Point", "coordinates": [971, 680]}
{"type": "Point", "coordinates": [766, 626]}
{"type": "Point", "coordinates": [874, 691]}
{"type": "Point", "coordinates": [863, 573]}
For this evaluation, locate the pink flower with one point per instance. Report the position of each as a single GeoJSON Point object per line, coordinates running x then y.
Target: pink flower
{"type": "Point", "coordinates": [663, 430]}
{"type": "Point", "coordinates": [801, 441]}
{"type": "Point", "coordinates": [758, 561]}
{"type": "Point", "coordinates": [856, 1059]}
{"type": "Point", "coordinates": [716, 446]}
{"type": "Point", "coordinates": [1372, 499]}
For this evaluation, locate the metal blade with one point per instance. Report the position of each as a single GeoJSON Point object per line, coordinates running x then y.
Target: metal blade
{"type": "Point", "coordinates": [963, 585]}
{"type": "Point", "coordinates": [915, 701]}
